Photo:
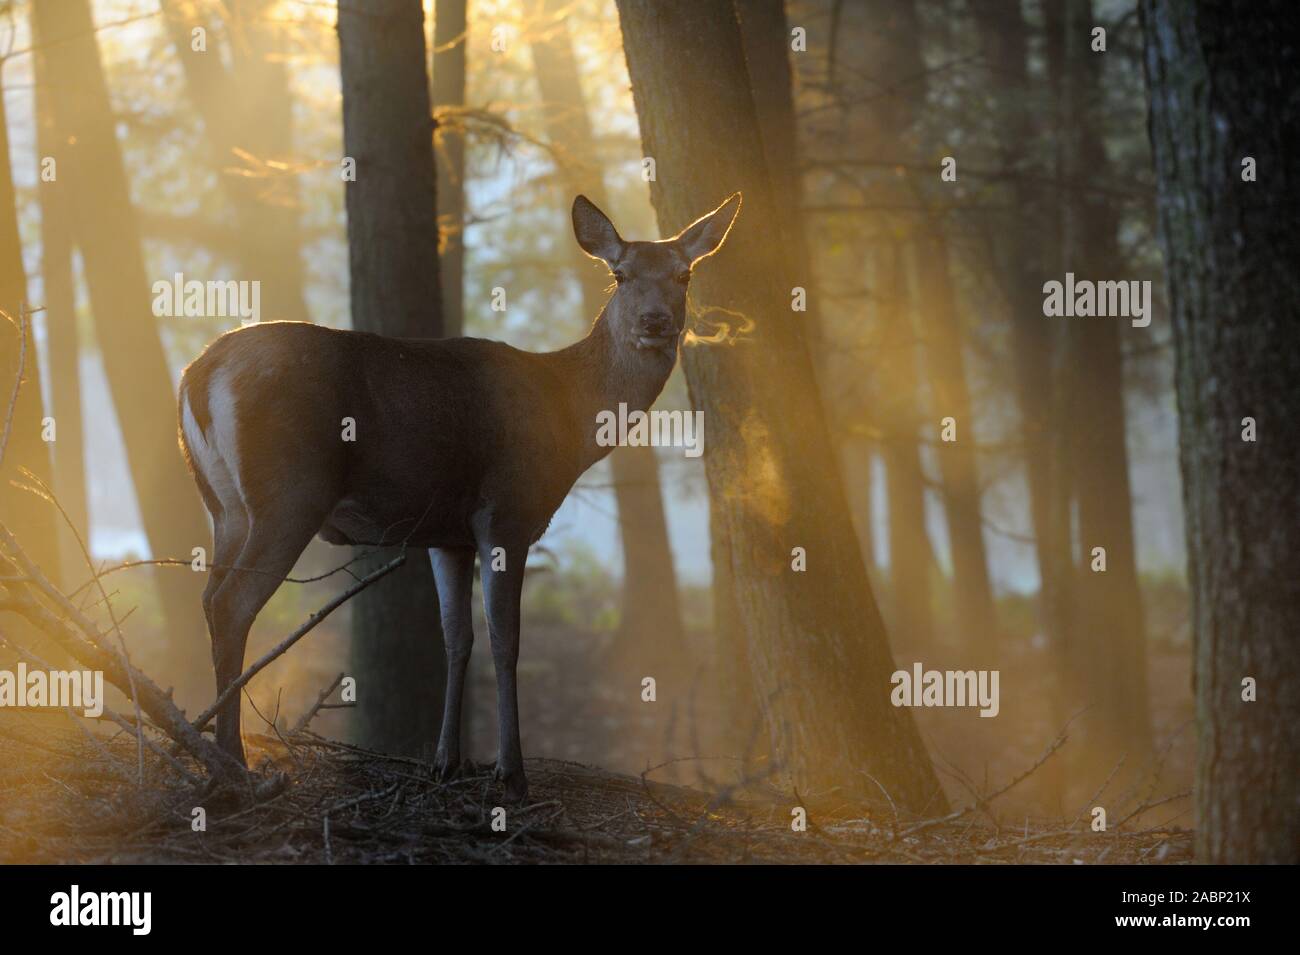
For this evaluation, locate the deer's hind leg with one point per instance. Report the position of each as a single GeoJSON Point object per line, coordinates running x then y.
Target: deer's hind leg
{"type": "Point", "coordinates": [278, 531]}
{"type": "Point", "coordinates": [229, 533]}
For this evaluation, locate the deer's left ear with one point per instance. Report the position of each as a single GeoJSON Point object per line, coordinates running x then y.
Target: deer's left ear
{"type": "Point", "coordinates": [595, 233]}
{"type": "Point", "coordinates": [706, 234]}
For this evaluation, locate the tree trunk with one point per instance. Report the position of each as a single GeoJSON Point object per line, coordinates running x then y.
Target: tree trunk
{"type": "Point", "coordinates": [818, 652]}
{"type": "Point", "coordinates": [651, 629]}
{"type": "Point", "coordinates": [397, 653]}
{"type": "Point", "coordinates": [248, 121]}
{"type": "Point", "coordinates": [1043, 388]}
{"type": "Point", "coordinates": [450, 39]}
{"type": "Point", "coordinates": [139, 378]}
{"type": "Point", "coordinates": [1222, 86]}
{"type": "Point", "coordinates": [1112, 657]}
{"type": "Point", "coordinates": [942, 334]}
{"type": "Point", "coordinates": [910, 554]}
{"type": "Point", "coordinates": [891, 34]}
{"type": "Point", "coordinates": [62, 338]}
{"type": "Point", "coordinates": [27, 516]}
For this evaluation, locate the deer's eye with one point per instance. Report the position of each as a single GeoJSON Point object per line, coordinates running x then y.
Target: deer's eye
{"type": "Point", "coordinates": [683, 278]}
{"type": "Point", "coordinates": [619, 277]}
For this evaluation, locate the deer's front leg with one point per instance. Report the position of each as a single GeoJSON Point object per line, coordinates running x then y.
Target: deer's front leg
{"type": "Point", "coordinates": [453, 570]}
{"type": "Point", "coordinates": [502, 565]}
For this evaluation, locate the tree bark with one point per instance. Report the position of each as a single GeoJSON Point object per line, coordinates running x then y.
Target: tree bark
{"type": "Point", "coordinates": [248, 122]}
{"type": "Point", "coordinates": [62, 337]}
{"type": "Point", "coordinates": [819, 656]}
{"type": "Point", "coordinates": [397, 653]}
{"type": "Point", "coordinates": [1112, 637]}
{"type": "Point", "coordinates": [1222, 88]}
{"type": "Point", "coordinates": [144, 397]}
{"type": "Point", "coordinates": [911, 556]}
{"type": "Point", "coordinates": [891, 33]}
{"type": "Point", "coordinates": [28, 516]}
{"type": "Point", "coordinates": [450, 39]}
{"type": "Point", "coordinates": [942, 333]}
{"type": "Point", "coordinates": [1043, 379]}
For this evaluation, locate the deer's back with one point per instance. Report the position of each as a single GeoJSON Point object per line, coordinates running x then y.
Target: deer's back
{"type": "Point", "coordinates": [408, 437]}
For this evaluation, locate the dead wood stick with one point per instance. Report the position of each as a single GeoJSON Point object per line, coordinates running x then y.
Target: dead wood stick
{"type": "Point", "coordinates": [320, 702]}
{"type": "Point", "coordinates": [81, 638]}
{"type": "Point", "coordinates": [172, 761]}
{"type": "Point", "coordinates": [42, 489]}
{"type": "Point", "coordinates": [280, 648]}
{"type": "Point", "coordinates": [136, 729]}
{"type": "Point", "coordinates": [985, 800]}
{"type": "Point", "coordinates": [21, 325]}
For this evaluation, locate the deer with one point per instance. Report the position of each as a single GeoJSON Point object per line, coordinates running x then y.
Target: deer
{"type": "Point", "coordinates": [464, 446]}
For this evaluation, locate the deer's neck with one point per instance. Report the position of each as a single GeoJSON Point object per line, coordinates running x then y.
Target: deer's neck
{"type": "Point", "coordinates": [603, 375]}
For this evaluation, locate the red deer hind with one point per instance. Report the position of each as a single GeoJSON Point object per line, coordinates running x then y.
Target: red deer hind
{"type": "Point", "coordinates": [460, 445]}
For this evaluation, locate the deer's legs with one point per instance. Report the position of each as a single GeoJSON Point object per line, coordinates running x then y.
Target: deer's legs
{"type": "Point", "coordinates": [453, 570]}
{"type": "Point", "coordinates": [229, 532]}
{"type": "Point", "coordinates": [502, 564]}
{"type": "Point", "coordinates": [272, 547]}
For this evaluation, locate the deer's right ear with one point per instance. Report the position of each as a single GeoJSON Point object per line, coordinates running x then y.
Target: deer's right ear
{"type": "Point", "coordinates": [595, 233]}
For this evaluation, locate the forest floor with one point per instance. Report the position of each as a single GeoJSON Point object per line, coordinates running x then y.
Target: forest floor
{"type": "Point", "coordinates": [70, 796]}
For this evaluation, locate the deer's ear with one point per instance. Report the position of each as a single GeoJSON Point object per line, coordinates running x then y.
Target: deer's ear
{"type": "Point", "coordinates": [595, 233]}
{"type": "Point", "coordinates": [706, 234]}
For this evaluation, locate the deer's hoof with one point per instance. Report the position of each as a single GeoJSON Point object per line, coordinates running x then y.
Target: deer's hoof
{"type": "Point", "coordinates": [515, 783]}
{"type": "Point", "coordinates": [445, 766]}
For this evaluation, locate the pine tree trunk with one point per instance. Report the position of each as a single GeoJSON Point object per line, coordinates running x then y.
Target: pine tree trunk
{"type": "Point", "coordinates": [819, 656]}
{"type": "Point", "coordinates": [26, 515]}
{"type": "Point", "coordinates": [450, 39]}
{"type": "Point", "coordinates": [62, 338]}
{"type": "Point", "coordinates": [942, 334]}
{"type": "Point", "coordinates": [911, 556]}
{"type": "Point", "coordinates": [397, 653]}
{"type": "Point", "coordinates": [1222, 88]}
{"type": "Point", "coordinates": [1112, 637]}
{"type": "Point", "coordinates": [247, 115]}
{"type": "Point", "coordinates": [107, 232]}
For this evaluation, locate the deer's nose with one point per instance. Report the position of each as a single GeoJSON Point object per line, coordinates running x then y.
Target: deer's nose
{"type": "Point", "coordinates": [657, 324]}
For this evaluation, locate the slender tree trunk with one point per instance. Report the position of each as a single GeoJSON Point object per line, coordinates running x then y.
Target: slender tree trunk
{"type": "Point", "coordinates": [397, 653]}
{"type": "Point", "coordinates": [1222, 85]}
{"type": "Point", "coordinates": [652, 632]}
{"type": "Point", "coordinates": [819, 656]}
{"type": "Point", "coordinates": [891, 33]}
{"type": "Point", "coordinates": [942, 333]}
{"type": "Point", "coordinates": [1112, 660]}
{"type": "Point", "coordinates": [766, 37]}
{"type": "Point", "coordinates": [450, 39]}
{"type": "Point", "coordinates": [910, 553]}
{"type": "Point", "coordinates": [30, 519]}
{"type": "Point", "coordinates": [1042, 395]}
{"type": "Point", "coordinates": [62, 337]}
{"type": "Point", "coordinates": [248, 123]}
{"type": "Point", "coordinates": [138, 374]}
{"type": "Point", "coordinates": [27, 516]}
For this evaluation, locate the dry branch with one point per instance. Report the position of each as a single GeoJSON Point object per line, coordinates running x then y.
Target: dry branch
{"type": "Point", "coordinates": [278, 650]}
{"type": "Point", "coordinates": [82, 639]}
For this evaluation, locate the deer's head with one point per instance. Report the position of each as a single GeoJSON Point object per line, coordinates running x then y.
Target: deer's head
{"type": "Point", "coordinates": [647, 312]}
